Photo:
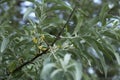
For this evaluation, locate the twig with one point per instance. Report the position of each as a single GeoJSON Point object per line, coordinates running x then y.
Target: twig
{"type": "Point", "coordinates": [44, 52]}
{"type": "Point", "coordinates": [30, 61]}
{"type": "Point", "coordinates": [57, 37]}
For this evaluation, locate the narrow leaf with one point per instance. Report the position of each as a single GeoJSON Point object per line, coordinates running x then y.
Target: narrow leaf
{"type": "Point", "coordinates": [67, 59]}
{"type": "Point", "coordinates": [28, 11]}
{"type": "Point", "coordinates": [47, 68]}
{"type": "Point", "coordinates": [103, 14]}
{"type": "Point", "coordinates": [78, 71]}
{"type": "Point", "coordinates": [118, 58]}
{"type": "Point", "coordinates": [4, 44]}
{"type": "Point", "coordinates": [55, 72]}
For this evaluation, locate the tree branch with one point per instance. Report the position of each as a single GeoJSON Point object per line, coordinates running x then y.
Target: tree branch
{"type": "Point", "coordinates": [44, 52]}
{"type": "Point", "coordinates": [57, 37]}
{"type": "Point", "coordinates": [30, 61]}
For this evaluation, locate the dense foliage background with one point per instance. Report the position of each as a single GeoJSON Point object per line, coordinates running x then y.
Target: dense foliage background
{"type": "Point", "coordinates": [59, 40]}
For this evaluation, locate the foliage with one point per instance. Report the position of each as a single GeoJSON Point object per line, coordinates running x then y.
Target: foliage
{"type": "Point", "coordinates": [65, 40]}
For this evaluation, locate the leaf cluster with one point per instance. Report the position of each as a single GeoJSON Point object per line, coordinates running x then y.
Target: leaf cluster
{"type": "Point", "coordinates": [64, 41]}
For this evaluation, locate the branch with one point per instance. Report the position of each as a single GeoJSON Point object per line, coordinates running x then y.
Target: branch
{"type": "Point", "coordinates": [57, 37]}
{"type": "Point", "coordinates": [30, 61]}
{"type": "Point", "coordinates": [44, 52]}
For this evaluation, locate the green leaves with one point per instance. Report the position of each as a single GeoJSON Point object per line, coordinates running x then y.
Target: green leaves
{"type": "Point", "coordinates": [28, 11]}
{"type": "Point", "coordinates": [12, 66]}
{"type": "Point", "coordinates": [78, 71]}
{"type": "Point", "coordinates": [67, 59]}
{"type": "Point", "coordinates": [104, 13]}
{"type": "Point", "coordinates": [46, 70]}
{"type": "Point", "coordinates": [66, 4]}
{"type": "Point", "coordinates": [4, 44]}
{"type": "Point", "coordinates": [82, 45]}
{"type": "Point", "coordinates": [65, 67]}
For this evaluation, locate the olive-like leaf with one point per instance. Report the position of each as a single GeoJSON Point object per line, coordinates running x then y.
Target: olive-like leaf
{"type": "Point", "coordinates": [12, 66]}
{"type": "Point", "coordinates": [78, 71]}
{"type": "Point", "coordinates": [28, 11]}
{"type": "Point", "coordinates": [55, 72]}
{"type": "Point", "coordinates": [46, 69]}
{"type": "Point", "coordinates": [103, 14]}
{"type": "Point", "coordinates": [67, 59]}
{"type": "Point", "coordinates": [4, 44]}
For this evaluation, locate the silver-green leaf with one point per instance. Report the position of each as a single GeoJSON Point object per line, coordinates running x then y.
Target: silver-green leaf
{"type": "Point", "coordinates": [4, 44]}
{"type": "Point", "coordinates": [28, 11]}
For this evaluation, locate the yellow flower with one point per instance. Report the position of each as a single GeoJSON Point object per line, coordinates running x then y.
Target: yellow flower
{"type": "Point", "coordinates": [42, 37]}
{"type": "Point", "coordinates": [42, 48]}
{"type": "Point", "coordinates": [35, 40]}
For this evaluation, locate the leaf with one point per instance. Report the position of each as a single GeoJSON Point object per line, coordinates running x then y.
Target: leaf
{"type": "Point", "coordinates": [67, 59]}
{"type": "Point", "coordinates": [83, 12]}
{"type": "Point", "coordinates": [28, 11]}
{"type": "Point", "coordinates": [63, 65]}
{"type": "Point", "coordinates": [92, 43]}
{"type": "Point", "coordinates": [117, 57]}
{"type": "Point", "coordinates": [46, 69]}
{"type": "Point", "coordinates": [67, 5]}
{"type": "Point", "coordinates": [104, 65]}
{"type": "Point", "coordinates": [64, 4]}
{"type": "Point", "coordinates": [4, 44]}
{"type": "Point", "coordinates": [78, 71]}
{"type": "Point", "coordinates": [79, 24]}
{"type": "Point", "coordinates": [55, 72]}
{"type": "Point", "coordinates": [12, 66]}
{"type": "Point", "coordinates": [103, 14]}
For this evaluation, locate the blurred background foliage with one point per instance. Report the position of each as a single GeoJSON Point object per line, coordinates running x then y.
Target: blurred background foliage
{"type": "Point", "coordinates": [88, 48]}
